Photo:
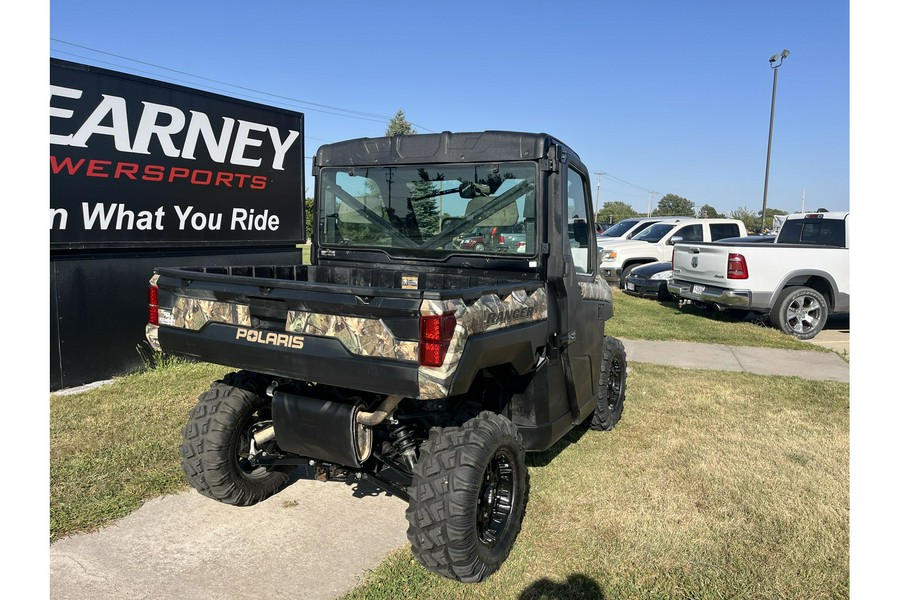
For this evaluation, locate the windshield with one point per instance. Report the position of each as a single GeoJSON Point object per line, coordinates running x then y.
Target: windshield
{"type": "Point", "coordinates": [620, 228]}
{"type": "Point", "coordinates": [430, 209]}
{"type": "Point", "coordinates": [654, 233]}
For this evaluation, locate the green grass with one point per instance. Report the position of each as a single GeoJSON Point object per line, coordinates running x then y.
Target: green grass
{"type": "Point", "coordinates": [116, 446]}
{"type": "Point", "coordinates": [713, 485]}
{"type": "Point", "coordinates": [647, 319]}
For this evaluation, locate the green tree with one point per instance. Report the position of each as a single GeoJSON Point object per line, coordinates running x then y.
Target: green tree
{"type": "Point", "coordinates": [770, 216]}
{"type": "Point", "coordinates": [708, 212]}
{"type": "Point", "coordinates": [673, 205]}
{"type": "Point", "coordinates": [425, 203]}
{"type": "Point", "coordinates": [750, 218]}
{"type": "Point", "coordinates": [310, 215]}
{"type": "Point", "coordinates": [399, 125]}
{"type": "Point", "coordinates": [615, 211]}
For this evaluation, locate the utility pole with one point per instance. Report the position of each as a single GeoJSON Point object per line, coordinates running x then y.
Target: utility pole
{"type": "Point", "coordinates": [597, 201]}
{"type": "Point", "coordinates": [803, 201]}
{"type": "Point", "coordinates": [650, 202]}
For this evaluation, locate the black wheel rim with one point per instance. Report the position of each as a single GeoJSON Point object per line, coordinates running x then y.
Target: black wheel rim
{"type": "Point", "coordinates": [614, 383]}
{"type": "Point", "coordinates": [496, 498]}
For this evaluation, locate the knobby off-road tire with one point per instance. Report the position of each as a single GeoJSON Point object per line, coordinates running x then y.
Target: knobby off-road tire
{"type": "Point", "coordinates": [800, 312]}
{"type": "Point", "coordinates": [613, 373]}
{"type": "Point", "coordinates": [468, 497]}
{"type": "Point", "coordinates": [216, 442]}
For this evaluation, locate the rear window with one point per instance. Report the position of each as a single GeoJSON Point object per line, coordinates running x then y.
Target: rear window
{"type": "Point", "coordinates": [814, 232]}
{"type": "Point", "coordinates": [717, 231]}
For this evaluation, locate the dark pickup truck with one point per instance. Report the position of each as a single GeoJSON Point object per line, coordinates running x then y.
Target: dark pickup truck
{"type": "Point", "coordinates": [399, 356]}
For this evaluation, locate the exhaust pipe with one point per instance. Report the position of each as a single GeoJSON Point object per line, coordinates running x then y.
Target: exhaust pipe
{"type": "Point", "coordinates": [267, 434]}
{"type": "Point", "coordinates": [384, 410]}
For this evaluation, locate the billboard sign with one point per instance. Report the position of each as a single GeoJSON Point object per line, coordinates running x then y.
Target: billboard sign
{"type": "Point", "coordinates": [138, 163]}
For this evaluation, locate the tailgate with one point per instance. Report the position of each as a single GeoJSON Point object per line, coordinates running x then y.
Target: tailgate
{"type": "Point", "coordinates": [701, 263]}
{"type": "Point", "coordinates": [355, 337]}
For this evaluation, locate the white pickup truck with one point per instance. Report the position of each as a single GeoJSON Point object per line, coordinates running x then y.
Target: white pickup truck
{"type": "Point", "coordinates": [618, 256]}
{"type": "Point", "coordinates": [798, 281]}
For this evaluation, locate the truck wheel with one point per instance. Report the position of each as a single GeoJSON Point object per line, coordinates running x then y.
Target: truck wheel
{"type": "Point", "coordinates": [468, 497]}
{"type": "Point", "coordinates": [478, 247]}
{"type": "Point", "coordinates": [613, 373]}
{"type": "Point", "coordinates": [800, 312]}
{"type": "Point", "coordinates": [216, 443]}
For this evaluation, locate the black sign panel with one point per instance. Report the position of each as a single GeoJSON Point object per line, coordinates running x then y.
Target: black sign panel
{"type": "Point", "coordinates": [136, 162]}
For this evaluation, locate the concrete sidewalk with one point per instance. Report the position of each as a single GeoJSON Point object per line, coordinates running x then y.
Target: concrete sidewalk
{"type": "Point", "coordinates": [808, 364]}
{"type": "Point", "coordinates": [313, 540]}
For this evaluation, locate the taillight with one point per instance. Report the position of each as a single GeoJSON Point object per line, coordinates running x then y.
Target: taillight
{"type": "Point", "coordinates": [153, 304]}
{"type": "Point", "coordinates": [435, 333]}
{"type": "Point", "coordinates": [737, 266]}
{"type": "Point", "coordinates": [502, 239]}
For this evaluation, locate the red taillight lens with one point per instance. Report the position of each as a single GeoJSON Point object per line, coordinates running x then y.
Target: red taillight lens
{"type": "Point", "coordinates": [435, 333]}
{"type": "Point", "coordinates": [153, 305]}
{"type": "Point", "coordinates": [737, 266]}
{"type": "Point", "coordinates": [502, 239]}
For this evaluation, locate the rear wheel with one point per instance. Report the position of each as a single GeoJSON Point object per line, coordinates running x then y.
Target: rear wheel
{"type": "Point", "coordinates": [613, 373]}
{"type": "Point", "coordinates": [800, 312]}
{"type": "Point", "coordinates": [217, 449]}
{"type": "Point", "coordinates": [468, 497]}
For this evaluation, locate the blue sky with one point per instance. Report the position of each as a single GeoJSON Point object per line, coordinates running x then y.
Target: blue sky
{"type": "Point", "coordinates": [668, 97]}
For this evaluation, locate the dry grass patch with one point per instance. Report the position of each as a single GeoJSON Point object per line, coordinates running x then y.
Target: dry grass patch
{"type": "Point", "coordinates": [714, 485]}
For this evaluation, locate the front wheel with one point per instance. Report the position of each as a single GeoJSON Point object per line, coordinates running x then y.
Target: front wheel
{"type": "Point", "coordinates": [217, 450]}
{"type": "Point", "coordinates": [800, 312]}
{"type": "Point", "coordinates": [613, 373]}
{"type": "Point", "coordinates": [468, 497]}
{"type": "Point", "coordinates": [626, 272]}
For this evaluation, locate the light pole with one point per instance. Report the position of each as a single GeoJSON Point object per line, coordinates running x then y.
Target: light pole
{"type": "Point", "coordinates": [597, 201]}
{"type": "Point", "coordinates": [782, 56]}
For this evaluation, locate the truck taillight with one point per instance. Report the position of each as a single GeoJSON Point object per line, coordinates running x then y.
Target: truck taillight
{"type": "Point", "coordinates": [435, 333]}
{"type": "Point", "coordinates": [153, 304]}
{"type": "Point", "coordinates": [737, 266]}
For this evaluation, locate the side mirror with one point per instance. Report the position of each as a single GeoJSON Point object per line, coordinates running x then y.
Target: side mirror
{"type": "Point", "coordinates": [674, 240]}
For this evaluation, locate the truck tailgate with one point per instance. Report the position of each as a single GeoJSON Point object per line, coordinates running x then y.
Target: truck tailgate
{"type": "Point", "coordinates": [701, 263]}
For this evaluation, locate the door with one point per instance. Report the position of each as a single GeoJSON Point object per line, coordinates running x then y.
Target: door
{"type": "Point", "coordinates": [585, 327]}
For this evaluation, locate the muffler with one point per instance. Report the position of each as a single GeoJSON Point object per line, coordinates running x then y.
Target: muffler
{"type": "Point", "coordinates": [321, 429]}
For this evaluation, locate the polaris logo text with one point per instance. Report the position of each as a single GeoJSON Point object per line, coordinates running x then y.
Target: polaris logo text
{"type": "Point", "coordinates": [270, 337]}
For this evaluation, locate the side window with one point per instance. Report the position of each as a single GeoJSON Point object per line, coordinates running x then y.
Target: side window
{"type": "Point", "coordinates": [717, 231]}
{"type": "Point", "coordinates": [690, 233]}
{"type": "Point", "coordinates": [579, 211]}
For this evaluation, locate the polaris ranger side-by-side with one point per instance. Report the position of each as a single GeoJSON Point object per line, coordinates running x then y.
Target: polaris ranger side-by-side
{"type": "Point", "coordinates": [400, 355]}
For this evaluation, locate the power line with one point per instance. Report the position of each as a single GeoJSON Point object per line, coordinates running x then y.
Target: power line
{"type": "Point", "coordinates": [630, 184]}
{"type": "Point", "coordinates": [349, 112]}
